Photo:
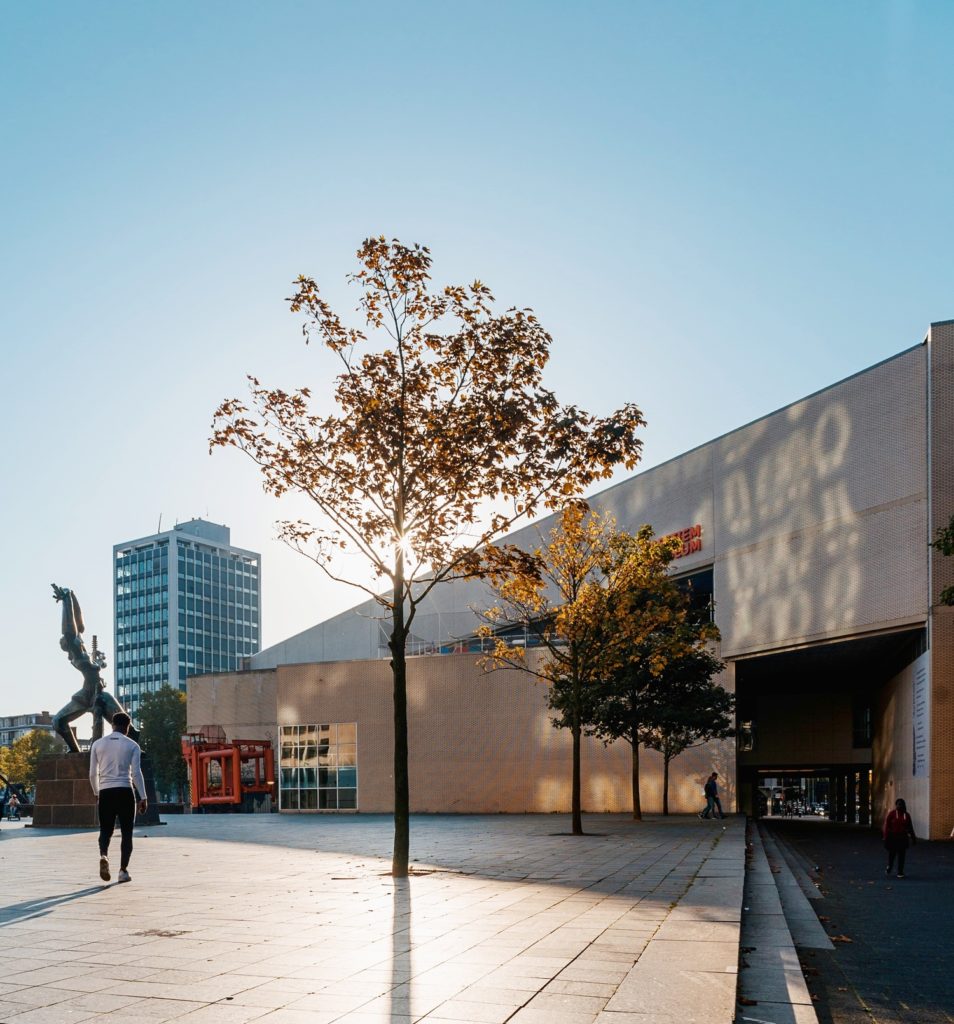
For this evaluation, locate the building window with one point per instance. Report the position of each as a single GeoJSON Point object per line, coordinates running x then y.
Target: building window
{"type": "Point", "coordinates": [319, 767]}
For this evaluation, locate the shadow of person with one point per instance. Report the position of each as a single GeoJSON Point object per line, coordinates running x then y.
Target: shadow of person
{"type": "Point", "coordinates": [41, 907]}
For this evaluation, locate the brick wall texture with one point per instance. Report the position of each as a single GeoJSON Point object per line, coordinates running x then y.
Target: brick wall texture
{"type": "Point", "coordinates": [941, 395]}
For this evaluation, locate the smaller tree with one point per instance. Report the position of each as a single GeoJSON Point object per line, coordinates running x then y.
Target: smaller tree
{"type": "Point", "coordinates": [686, 708]}
{"type": "Point", "coordinates": [162, 722]}
{"type": "Point", "coordinates": [556, 593]}
{"type": "Point", "coordinates": [652, 627]}
{"type": "Point", "coordinates": [19, 761]}
{"type": "Point", "coordinates": [588, 598]}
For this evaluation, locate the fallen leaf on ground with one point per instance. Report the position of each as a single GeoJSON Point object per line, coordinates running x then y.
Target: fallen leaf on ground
{"type": "Point", "coordinates": [841, 938]}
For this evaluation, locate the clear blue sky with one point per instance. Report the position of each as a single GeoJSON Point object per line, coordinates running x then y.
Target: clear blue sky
{"type": "Point", "coordinates": [715, 208]}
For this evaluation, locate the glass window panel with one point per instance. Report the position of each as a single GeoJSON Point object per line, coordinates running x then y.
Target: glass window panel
{"type": "Point", "coordinates": [328, 799]}
{"type": "Point", "coordinates": [289, 778]}
{"type": "Point", "coordinates": [323, 753]}
{"type": "Point", "coordinates": [308, 734]}
{"type": "Point", "coordinates": [348, 799]}
{"type": "Point", "coordinates": [347, 754]}
{"type": "Point", "coordinates": [324, 734]}
{"type": "Point", "coordinates": [347, 732]}
{"type": "Point", "coordinates": [309, 800]}
{"type": "Point", "coordinates": [309, 754]}
{"type": "Point", "coordinates": [347, 778]}
{"type": "Point", "coordinates": [289, 799]}
{"type": "Point", "coordinates": [307, 778]}
{"type": "Point", "coordinates": [327, 777]}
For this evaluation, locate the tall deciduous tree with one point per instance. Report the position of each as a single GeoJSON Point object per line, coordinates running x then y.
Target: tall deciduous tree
{"type": "Point", "coordinates": [162, 723]}
{"type": "Point", "coordinates": [652, 629]}
{"type": "Point", "coordinates": [444, 437]}
{"type": "Point", "coordinates": [685, 708]}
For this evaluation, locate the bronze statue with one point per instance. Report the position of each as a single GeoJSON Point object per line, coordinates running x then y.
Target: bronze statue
{"type": "Point", "coordinates": [93, 698]}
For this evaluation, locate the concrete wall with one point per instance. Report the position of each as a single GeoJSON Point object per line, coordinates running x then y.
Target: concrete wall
{"type": "Point", "coordinates": [243, 703]}
{"type": "Point", "coordinates": [804, 729]}
{"type": "Point", "coordinates": [892, 752]}
{"type": "Point", "coordinates": [480, 742]}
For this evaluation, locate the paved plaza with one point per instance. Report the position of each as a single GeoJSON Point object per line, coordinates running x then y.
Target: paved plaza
{"type": "Point", "coordinates": [295, 920]}
{"type": "Point", "coordinates": [892, 960]}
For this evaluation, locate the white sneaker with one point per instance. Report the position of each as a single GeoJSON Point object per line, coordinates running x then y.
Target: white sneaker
{"type": "Point", "coordinates": [104, 868]}
{"type": "Point", "coordinates": [123, 876]}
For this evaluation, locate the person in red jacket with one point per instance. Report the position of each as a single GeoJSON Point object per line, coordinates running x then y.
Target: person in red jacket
{"type": "Point", "coordinates": [898, 828]}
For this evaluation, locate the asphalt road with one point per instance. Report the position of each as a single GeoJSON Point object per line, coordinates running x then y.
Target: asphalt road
{"type": "Point", "coordinates": [894, 938]}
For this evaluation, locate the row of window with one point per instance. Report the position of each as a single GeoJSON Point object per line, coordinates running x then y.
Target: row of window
{"type": "Point", "coordinates": [154, 584]}
{"type": "Point", "coordinates": [128, 637]}
{"type": "Point", "coordinates": [192, 565]}
{"type": "Point", "coordinates": [220, 593]}
{"type": "Point", "coordinates": [217, 611]}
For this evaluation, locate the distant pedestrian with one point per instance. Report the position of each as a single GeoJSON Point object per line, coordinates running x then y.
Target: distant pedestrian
{"type": "Point", "coordinates": [713, 803]}
{"type": "Point", "coordinates": [13, 808]}
{"type": "Point", "coordinates": [114, 769]}
{"type": "Point", "coordinates": [898, 829]}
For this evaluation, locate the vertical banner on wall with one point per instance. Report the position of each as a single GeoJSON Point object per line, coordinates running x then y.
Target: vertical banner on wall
{"type": "Point", "coordinates": [921, 718]}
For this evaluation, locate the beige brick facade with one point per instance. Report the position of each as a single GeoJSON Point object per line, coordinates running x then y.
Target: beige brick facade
{"type": "Point", "coordinates": [941, 398]}
{"type": "Point", "coordinates": [480, 742]}
{"type": "Point", "coordinates": [815, 520]}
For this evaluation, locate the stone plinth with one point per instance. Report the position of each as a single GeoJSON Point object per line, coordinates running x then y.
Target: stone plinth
{"type": "Point", "coordinates": [64, 797]}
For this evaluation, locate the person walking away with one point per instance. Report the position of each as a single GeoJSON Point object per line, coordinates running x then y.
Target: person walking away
{"type": "Point", "coordinates": [115, 773]}
{"type": "Point", "coordinates": [898, 829]}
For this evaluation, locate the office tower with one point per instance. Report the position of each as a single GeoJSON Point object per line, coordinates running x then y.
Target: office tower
{"type": "Point", "coordinates": [186, 603]}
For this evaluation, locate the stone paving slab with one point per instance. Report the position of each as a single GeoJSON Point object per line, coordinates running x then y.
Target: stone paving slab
{"type": "Point", "coordinates": [232, 919]}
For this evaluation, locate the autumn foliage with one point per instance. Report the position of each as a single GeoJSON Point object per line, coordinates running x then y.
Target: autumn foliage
{"type": "Point", "coordinates": [442, 439]}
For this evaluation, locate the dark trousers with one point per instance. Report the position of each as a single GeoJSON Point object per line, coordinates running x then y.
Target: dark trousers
{"type": "Point", "coordinates": [117, 803]}
{"type": "Point", "coordinates": [897, 849]}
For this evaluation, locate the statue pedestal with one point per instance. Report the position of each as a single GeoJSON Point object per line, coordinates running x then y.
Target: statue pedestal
{"type": "Point", "coordinates": [64, 797]}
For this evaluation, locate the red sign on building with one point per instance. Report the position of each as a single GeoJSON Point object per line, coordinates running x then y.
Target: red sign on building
{"type": "Point", "coordinates": [691, 538]}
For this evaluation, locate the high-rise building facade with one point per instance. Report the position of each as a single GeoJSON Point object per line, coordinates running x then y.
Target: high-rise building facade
{"type": "Point", "coordinates": [13, 727]}
{"type": "Point", "coordinates": [186, 602]}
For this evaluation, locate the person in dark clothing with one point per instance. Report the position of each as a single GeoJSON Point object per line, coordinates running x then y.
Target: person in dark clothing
{"type": "Point", "coordinates": [713, 803]}
{"type": "Point", "coordinates": [897, 830]}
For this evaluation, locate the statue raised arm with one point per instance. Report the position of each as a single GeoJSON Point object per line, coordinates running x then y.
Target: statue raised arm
{"type": "Point", "coordinates": [93, 698]}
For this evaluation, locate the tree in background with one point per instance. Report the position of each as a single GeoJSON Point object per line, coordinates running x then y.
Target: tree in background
{"type": "Point", "coordinates": [557, 596]}
{"type": "Point", "coordinates": [443, 439]}
{"type": "Point", "coordinates": [685, 708]}
{"type": "Point", "coordinates": [944, 542]}
{"type": "Point", "coordinates": [162, 723]}
{"type": "Point", "coordinates": [18, 762]}
{"type": "Point", "coordinates": [573, 598]}
{"type": "Point", "coordinates": [653, 629]}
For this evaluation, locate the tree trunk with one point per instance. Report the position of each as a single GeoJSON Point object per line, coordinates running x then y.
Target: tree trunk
{"type": "Point", "coordinates": [402, 800]}
{"type": "Point", "coordinates": [665, 784]}
{"type": "Point", "coordinates": [637, 807]}
{"type": "Point", "coordinates": [576, 804]}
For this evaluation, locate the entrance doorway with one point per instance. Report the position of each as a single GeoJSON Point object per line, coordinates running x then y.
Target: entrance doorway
{"type": "Point", "coordinates": [808, 723]}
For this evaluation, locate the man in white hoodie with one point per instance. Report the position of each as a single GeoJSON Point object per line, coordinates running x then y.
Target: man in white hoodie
{"type": "Point", "coordinates": [114, 769]}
